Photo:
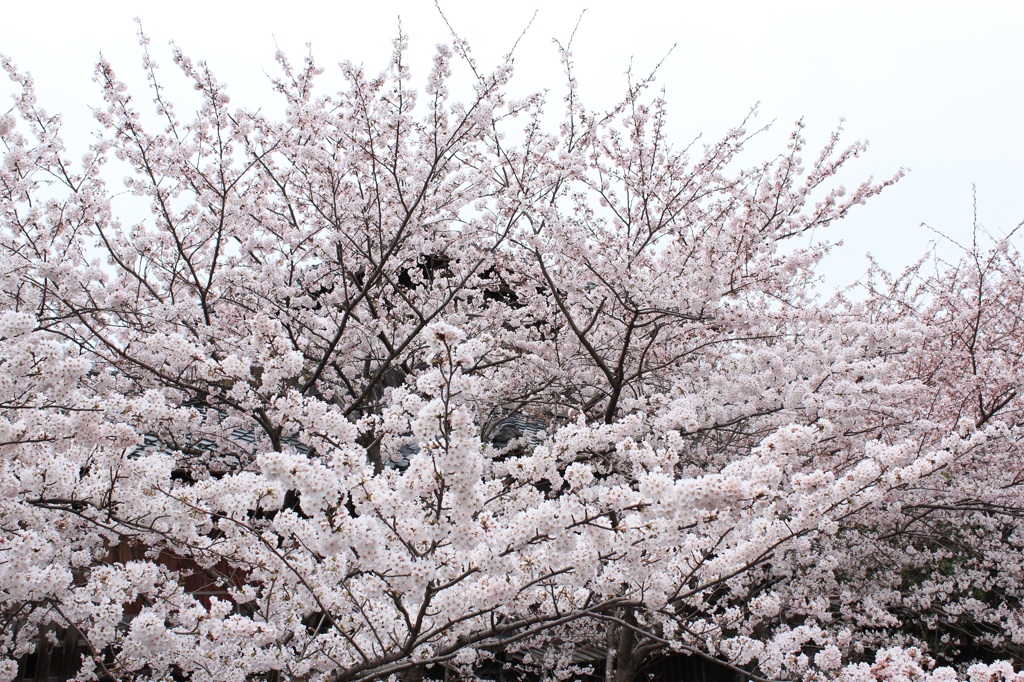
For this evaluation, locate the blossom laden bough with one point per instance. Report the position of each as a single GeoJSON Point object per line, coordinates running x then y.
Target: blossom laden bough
{"type": "Point", "coordinates": [202, 408]}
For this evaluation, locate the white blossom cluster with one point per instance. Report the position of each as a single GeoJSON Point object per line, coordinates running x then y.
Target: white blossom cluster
{"type": "Point", "coordinates": [730, 467]}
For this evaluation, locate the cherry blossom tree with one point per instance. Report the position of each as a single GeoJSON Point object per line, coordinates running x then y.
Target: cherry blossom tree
{"type": "Point", "coordinates": [291, 362]}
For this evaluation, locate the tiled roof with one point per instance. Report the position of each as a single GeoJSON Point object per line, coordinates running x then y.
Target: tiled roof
{"type": "Point", "coordinates": [219, 459]}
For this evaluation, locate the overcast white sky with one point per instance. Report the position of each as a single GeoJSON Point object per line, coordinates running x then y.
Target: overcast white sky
{"type": "Point", "coordinates": [935, 86]}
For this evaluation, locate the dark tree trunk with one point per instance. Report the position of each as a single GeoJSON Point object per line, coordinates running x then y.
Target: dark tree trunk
{"type": "Point", "coordinates": [626, 661]}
